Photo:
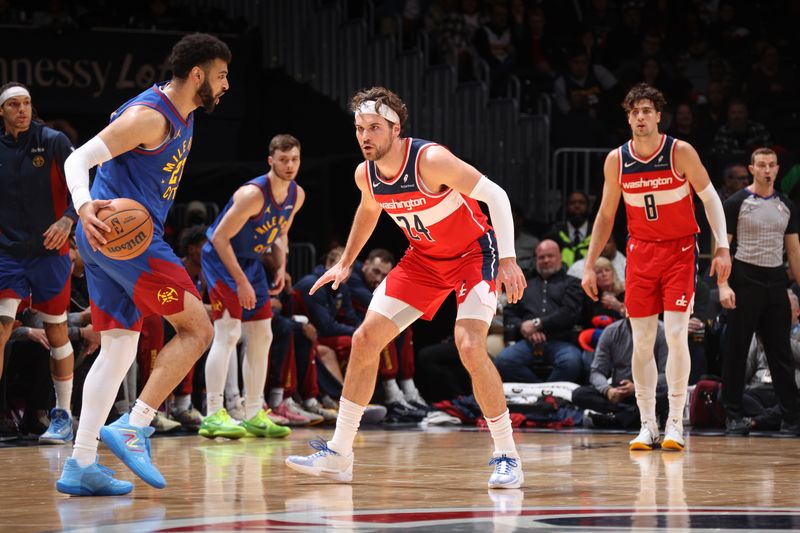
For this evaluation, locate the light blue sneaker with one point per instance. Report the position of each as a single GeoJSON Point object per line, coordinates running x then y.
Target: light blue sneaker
{"type": "Point", "coordinates": [507, 472]}
{"type": "Point", "coordinates": [60, 430]}
{"type": "Point", "coordinates": [94, 480]}
{"type": "Point", "coordinates": [325, 463]}
{"type": "Point", "coordinates": [132, 445]}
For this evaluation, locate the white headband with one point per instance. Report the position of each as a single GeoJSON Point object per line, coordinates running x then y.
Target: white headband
{"type": "Point", "coordinates": [369, 108]}
{"type": "Point", "coordinates": [11, 92]}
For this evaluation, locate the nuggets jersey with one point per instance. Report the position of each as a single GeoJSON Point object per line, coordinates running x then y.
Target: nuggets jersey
{"type": "Point", "coordinates": [259, 232]}
{"type": "Point", "coordinates": [439, 224]}
{"type": "Point", "coordinates": [658, 201]}
{"type": "Point", "coordinates": [151, 177]}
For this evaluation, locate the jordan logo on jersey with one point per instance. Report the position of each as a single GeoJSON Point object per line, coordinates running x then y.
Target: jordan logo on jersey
{"type": "Point", "coordinates": [167, 295]}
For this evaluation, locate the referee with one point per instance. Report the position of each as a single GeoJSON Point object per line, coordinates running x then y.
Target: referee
{"type": "Point", "coordinates": [763, 223]}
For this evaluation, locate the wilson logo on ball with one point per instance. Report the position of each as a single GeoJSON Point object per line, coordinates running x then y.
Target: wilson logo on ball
{"type": "Point", "coordinates": [131, 229]}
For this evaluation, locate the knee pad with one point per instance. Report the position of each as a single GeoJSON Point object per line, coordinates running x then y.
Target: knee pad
{"type": "Point", "coordinates": [8, 307]}
{"type": "Point", "coordinates": [228, 331]}
{"type": "Point", "coordinates": [61, 352]}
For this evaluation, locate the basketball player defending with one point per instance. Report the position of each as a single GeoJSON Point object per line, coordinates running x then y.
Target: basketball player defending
{"type": "Point", "coordinates": [142, 151]}
{"type": "Point", "coordinates": [431, 195]}
{"type": "Point", "coordinates": [256, 218]}
{"type": "Point", "coordinates": [656, 175]}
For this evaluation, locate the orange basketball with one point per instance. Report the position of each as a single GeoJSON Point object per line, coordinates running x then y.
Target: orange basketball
{"type": "Point", "coordinates": [131, 229]}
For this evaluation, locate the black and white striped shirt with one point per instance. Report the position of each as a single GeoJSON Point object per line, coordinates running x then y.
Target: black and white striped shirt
{"type": "Point", "coordinates": [758, 225]}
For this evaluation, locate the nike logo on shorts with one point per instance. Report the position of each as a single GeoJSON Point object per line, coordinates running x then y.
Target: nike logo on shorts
{"type": "Point", "coordinates": [684, 248]}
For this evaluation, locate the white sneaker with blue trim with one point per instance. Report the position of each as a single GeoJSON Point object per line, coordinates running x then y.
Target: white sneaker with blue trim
{"type": "Point", "coordinates": [324, 463]}
{"type": "Point", "coordinates": [507, 472]}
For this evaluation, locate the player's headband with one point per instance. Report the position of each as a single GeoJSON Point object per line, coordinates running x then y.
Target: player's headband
{"type": "Point", "coordinates": [370, 108]}
{"type": "Point", "coordinates": [11, 92]}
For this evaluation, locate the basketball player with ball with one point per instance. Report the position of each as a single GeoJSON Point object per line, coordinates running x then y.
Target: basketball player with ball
{"type": "Point", "coordinates": [131, 272]}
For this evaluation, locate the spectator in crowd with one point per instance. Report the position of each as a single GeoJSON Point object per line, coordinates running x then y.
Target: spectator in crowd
{"type": "Point", "coordinates": [574, 235]}
{"type": "Point", "coordinates": [583, 86]}
{"type": "Point", "coordinates": [739, 135]}
{"type": "Point", "coordinates": [544, 321]}
{"type": "Point", "coordinates": [734, 179]}
{"type": "Point", "coordinates": [685, 127]}
{"type": "Point", "coordinates": [611, 390]}
{"type": "Point", "coordinates": [763, 223]}
{"type": "Point", "coordinates": [493, 43]}
{"type": "Point", "coordinates": [611, 253]}
{"type": "Point", "coordinates": [611, 292]}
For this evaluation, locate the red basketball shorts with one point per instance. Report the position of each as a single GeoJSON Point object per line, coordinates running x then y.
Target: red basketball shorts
{"type": "Point", "coordinates": [660, 276]}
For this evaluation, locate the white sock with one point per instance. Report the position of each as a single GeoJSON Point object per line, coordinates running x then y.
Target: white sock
{"type": "Point", "coordinates": [275, 397]}
{"type": "Point", "coordinates": [408, 387]}
{"type": "Point", "coordinates": [117, 353]}
{"type": "Point", "coordinates": [183, 402]}
{"type": "Point", "coordinates": [141, 414]}
{"type": "Point", "coordinates": [214, 403]}
{"type": "Point", "coordinates": [258, 335]}
{"type": "Point", "coordinates": [392, 392]}
{"type": "Point", "coordinates": [502, 434]}
{"type": "Point", "coordinates": [232, 391]}
{"type": "Point", "coordinates": [643, 366]}
{"type": "Point", "coordinates": [346, 426]}
{"type": "Point", "coordinates": [63, 393]}
{"type": "Point", "coordinates": [226, 334]}
{"type": "Point", "coordinates": [679, 362]}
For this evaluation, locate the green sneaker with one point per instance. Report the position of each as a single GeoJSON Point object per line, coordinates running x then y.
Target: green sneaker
{"type": "Point", "coordinates": [261, 426]}
{"type": "Point", "coordinates": [220, 424]}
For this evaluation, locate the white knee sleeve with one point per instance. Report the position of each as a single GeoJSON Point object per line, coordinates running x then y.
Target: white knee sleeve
{"type": "Point", "coordinates": [8, 307]}
{"type": "Point", "coordinates": [643, 364]}
{"type": "Point", "coordinates": [227, 331]}
{"type": "Point", "coordinates": [53, 319]}
{"type": "Point", "coordinates": [117, 353]}
{"type": "Point", "coordinates": [258, 335]}
{"type": "Point", "coordinates": [61, 352]}
{"type": "Point", "coordinates": [679, 361]}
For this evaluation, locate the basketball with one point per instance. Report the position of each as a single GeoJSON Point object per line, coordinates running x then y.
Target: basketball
{"type": "Point", "coordinates": [131, 229]}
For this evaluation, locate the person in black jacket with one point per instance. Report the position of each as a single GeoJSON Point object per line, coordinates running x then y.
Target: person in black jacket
{"type": "Point", "coordinates": [35, 221]}
{"type": "Point", "coordinates": [544, 320]}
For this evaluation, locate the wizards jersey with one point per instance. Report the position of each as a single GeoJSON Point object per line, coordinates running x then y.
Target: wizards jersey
{"type": "Point", "coordinates": [438, 224]}
{"type": "Point", "coordinates": [151, 177]}
{"type": "Point", "coordinates": [658, 201]}
{"type": "Point", "coordinates": [259, 232]}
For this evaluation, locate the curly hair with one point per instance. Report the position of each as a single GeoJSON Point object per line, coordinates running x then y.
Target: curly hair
{"type": "Point", "coordinates": [195, 50]}
{"type": "Point", "coordinates": [382, 97]}
{"type": "Point", "coordinates": [643, 91]}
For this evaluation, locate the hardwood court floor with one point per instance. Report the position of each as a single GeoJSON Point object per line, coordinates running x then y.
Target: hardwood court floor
{"type": "Point", "coordinates": [423, 481]}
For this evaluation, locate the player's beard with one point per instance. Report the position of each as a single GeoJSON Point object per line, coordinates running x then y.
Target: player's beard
{"type": "Point", "coordinates": [207, 98]}
{"type": "Point", "coordinates": [281, 176]}
{"type": "Point", "coordinates": [381, 151]}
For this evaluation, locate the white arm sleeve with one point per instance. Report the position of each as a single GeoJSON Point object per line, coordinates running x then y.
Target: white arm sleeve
{"type": "Point", "coordinates": [496, 198]}
{"type": "Point", "coordinates": [715, 215]}
{"type": "Point", "coordinates": [77, 166]}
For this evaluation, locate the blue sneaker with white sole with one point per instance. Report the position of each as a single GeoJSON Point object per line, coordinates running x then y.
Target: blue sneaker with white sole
{"type": "Point", "coordinates": [507, 472]}
{"type": "Point", "coordinates": [94, 480]}
{"type": "Point", "coordinates": [325, 463]}
{"type": "Point", "coordinates": [132, 445]}
{"type": "Point", "coordinates": [60, 430]}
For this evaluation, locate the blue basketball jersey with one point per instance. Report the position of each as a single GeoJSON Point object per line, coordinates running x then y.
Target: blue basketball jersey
{"type": "Point", "coordinates": [260, 232]}
{"type": "Point", "coordinates": [151, 177]}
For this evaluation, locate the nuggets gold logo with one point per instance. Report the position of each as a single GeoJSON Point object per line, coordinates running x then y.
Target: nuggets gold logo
{"type": "Point", "coordinates": [216, 306]}
{"type": "Point", "coordinates": [167, 295]}
{"type": "Point", "coordinates": [38, 161]}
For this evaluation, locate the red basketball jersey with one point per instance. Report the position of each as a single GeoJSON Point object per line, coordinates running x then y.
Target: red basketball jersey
{"type": "Point", "coordinates": [658, 201]}
{"type": "Point", "coordinates": [439, 224]}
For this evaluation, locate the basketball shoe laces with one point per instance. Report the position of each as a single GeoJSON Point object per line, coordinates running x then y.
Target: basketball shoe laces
{"type": "Point", "coordinates": [322, 449]}
{"type": "Point", "coordinates": [59, 423]}
{"type": "Point", "coordinates": [503, 464]}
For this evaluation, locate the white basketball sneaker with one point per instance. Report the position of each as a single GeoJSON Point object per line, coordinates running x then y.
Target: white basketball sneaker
{"type": "Point", "coordinates": [507, 472]}
{"type": "Point", "coordinates": [325, 463]}
{"type": "Point", "coordinates": [647, 439]}
{"type": "Point", "coordinates": [673, 436]}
